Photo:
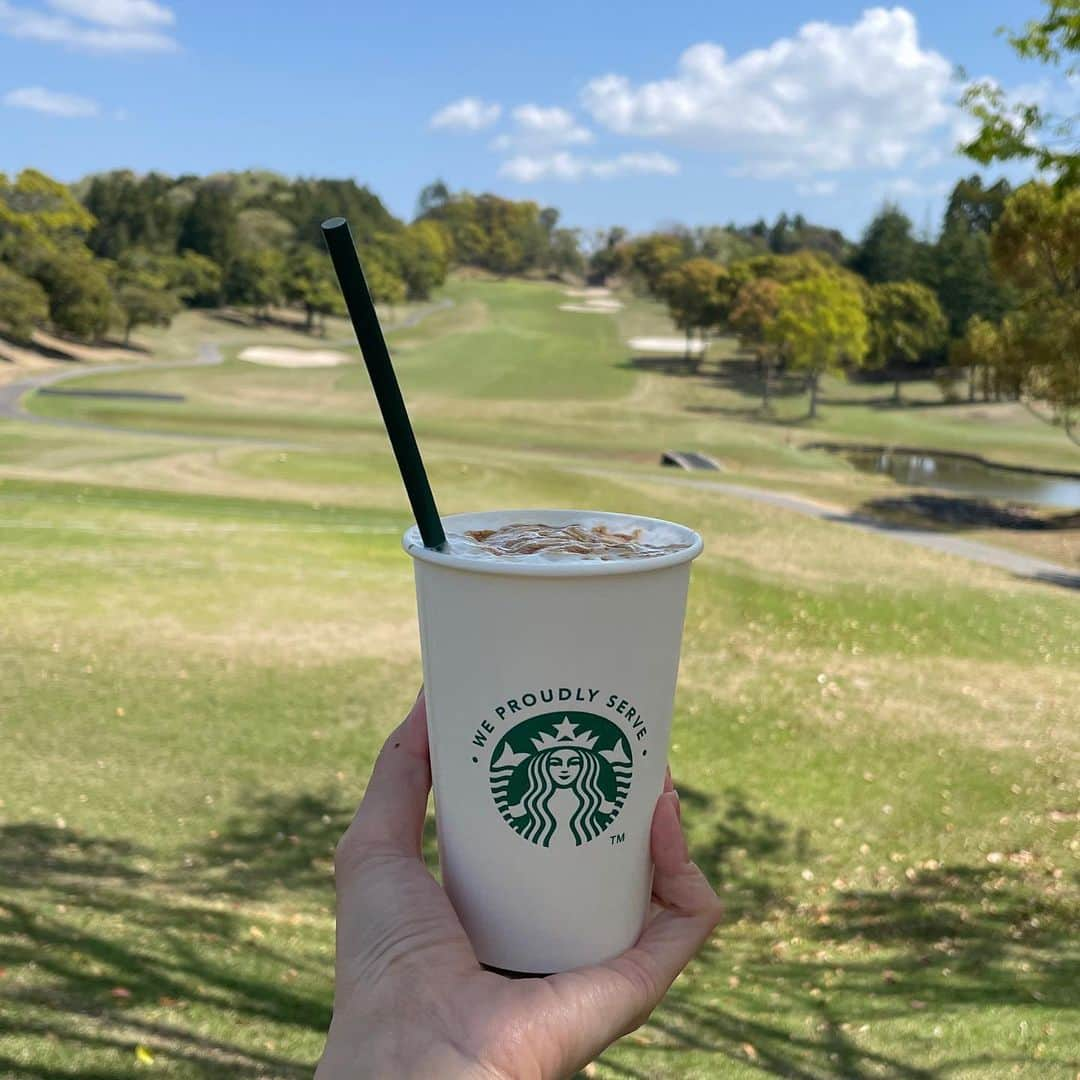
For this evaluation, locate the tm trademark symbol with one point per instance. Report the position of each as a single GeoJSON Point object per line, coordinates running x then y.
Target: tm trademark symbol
{"type": "Point", "coordinates": [618, 838]}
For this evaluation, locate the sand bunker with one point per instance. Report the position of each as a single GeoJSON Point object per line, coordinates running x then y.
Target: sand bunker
{"type": "Point", "coordinates": [664, 345]}
{"type": "Point", "coordinates": [594, 307]}
{"type": "Point", "coordinates": [293, 358]}
{"type": "Point", "coordinates": [594, 301]}
{"type": "Point", "coordinates": [591, 293]}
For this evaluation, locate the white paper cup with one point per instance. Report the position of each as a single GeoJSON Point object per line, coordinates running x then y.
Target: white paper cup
{"type": "Point", "coordinates": [549, 696]}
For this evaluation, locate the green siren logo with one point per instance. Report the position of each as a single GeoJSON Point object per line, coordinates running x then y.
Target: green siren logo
{"type": "Point", "coordinates": [561, 774]}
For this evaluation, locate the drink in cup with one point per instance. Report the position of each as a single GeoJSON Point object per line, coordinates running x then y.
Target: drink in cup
{"type": "Point", "coordinates": [550, 644]}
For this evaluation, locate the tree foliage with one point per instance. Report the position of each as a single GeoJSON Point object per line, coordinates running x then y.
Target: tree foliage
{"type": "Point", "coordinates": [1036, 249]}
{"type": "Point", "coordinates": [697, 296]}
{"type": "Point", "coordinates": [310, 284]}
{"type": "Point", "coordinates": [888, 250]}
{"type": "Point", "coordinates": [38, 215]}
{"type": "Point", "coordinates": [906, 324]}
{"type": "Point", "coordinates": [821, 326]}
{"type": "Point", "coordinates": [24, 305]}
{"type": "Point", "coordinates": [1016, 130]}
{"type": "Point", "coordinates": [80, 298]}
{"type": "Point", "coordinates": [753, 314]}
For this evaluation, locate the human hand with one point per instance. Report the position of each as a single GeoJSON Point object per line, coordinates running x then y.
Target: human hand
{"type": "Point", "coordinates": [410, 997]}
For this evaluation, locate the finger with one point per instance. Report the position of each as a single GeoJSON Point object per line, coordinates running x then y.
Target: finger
{"type": "Point", "coordinates": [390, 819]}
{"type": "Point", "coordinates": [669, 786]}
{"type": "Point", "coordinates": [609, 1000]}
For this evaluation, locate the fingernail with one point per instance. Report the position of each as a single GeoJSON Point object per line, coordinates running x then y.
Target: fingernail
{"type": "Point", "coordinates": [683, 846]}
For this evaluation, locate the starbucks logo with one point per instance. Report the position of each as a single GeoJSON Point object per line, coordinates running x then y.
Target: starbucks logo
{"type": "Point", "coordinates": [561, 775]}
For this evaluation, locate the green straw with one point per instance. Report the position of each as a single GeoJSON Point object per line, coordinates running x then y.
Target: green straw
{"type": "Point", "coordinates": [395, 416]}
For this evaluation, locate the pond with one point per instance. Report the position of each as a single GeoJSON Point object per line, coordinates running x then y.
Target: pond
{"type": "Point", "coordinates": [966, 476]}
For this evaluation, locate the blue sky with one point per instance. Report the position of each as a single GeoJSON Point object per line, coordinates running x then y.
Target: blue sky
{"type": "Point", "coordinates": [617, 113]}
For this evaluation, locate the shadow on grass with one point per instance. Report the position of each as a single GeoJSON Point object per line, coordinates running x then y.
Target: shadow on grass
{"type": "Point", "coordinates": [958, 512]}
{"type": "Point", "coordinates": [83, 916]}
{"type": "Point", "coordinates": [954, 940]}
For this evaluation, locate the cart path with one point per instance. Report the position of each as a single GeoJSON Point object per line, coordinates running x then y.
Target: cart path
{"type": "Point", "coordinates": [1013, 562]}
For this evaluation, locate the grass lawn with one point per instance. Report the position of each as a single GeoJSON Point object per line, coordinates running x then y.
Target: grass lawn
{"type": "Point", "coordinates": [204, 642]}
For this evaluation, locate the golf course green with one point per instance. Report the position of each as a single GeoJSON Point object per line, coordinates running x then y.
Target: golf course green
{"type": "Point", "coordinates": [208, 627]}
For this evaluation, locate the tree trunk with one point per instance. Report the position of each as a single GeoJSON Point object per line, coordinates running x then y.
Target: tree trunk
{"type": "Point", "coordinates": [686, 355]}
{"type": "Point", "coordinates": [971, 384]}
{"type": "Point", "coordinates": [127, 333]}
{"type": "Point", "coordinates": [310, 318]}
{"type": "Point", "coordinates": [1069, 424]}
{"type": "Point", "coordinates": [813, 395]}
{"type": "Point", "coordinates": [896, 390]}
{"type": "Point", "coordinates": [766, 378]}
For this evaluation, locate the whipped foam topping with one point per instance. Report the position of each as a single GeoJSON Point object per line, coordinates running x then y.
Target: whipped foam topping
{"type": "Point", "coordinates": [586, 540]}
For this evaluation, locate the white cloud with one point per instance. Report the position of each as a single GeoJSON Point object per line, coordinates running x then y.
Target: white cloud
{"type": "Point", "coordinates": [829, 98]}
{"type": "Point", "coordinates": [538, 128]}
{"type": "Point", "coordinates": [51, 102]}
{"type": "Point", "coordinates": [817, 187]}
{"type": "Point", "coordinates": [565, 166]}
{"type": "Point", "coordinates": [93, 25]}
{"type": "Point", "coordinates": [468, 114]}
{"type": "Point", "coordinates": [126, 14]}
{"type": "Point", "coordinates": [905, 186]}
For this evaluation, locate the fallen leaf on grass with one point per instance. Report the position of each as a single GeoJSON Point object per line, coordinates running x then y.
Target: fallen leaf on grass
{"type": "Point", "coordinates": [143, 1056]}
{"type": "Point", "coordinates": [749, 1050]}
{"type": "Point", "coordinates": [120, 992]}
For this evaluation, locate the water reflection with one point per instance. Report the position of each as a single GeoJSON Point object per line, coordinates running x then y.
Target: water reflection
{"type": "Point", "coordinates": [969, 477]}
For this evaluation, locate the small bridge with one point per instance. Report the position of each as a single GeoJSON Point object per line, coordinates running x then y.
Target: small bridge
{"type": "Point", "coordinates": [688, 459]}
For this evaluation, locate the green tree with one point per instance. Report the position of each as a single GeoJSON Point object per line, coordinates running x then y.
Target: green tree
{"type": "Point", "coordinates": [697, 296]}
{"type": "Point", "coordinates": [310, 283]}
{"type": "Point", "coordinates": [566, 257]}
{"type": "Point", "coordinates": [432, 198]}
{"type": "Point", "coordinates": [906, 323]}
{"type": "Point", "coordinates": [80, 299]}
{"type": "Point", "coordinates": [964, 280]}
{"type": "Point", "coordinates": [145, 304]}
{"type": "Point", "coordinates": [1015, 130]}
{"type": "Point", "coordinates": [821, 325]}
{"type": "Point", "coordinates": [752, 316]}
{"type": "Point", "coordinates": [610, 255]}
{"type": "Point", "coordinates": [982, 354]}
{"type": "Point", "coordinates": [651, 257]}
{"type": "Point", "coordinates": [422, 256]}
{"type": "Point", "coordinates": [209, 226]}
{"type": "Point", "coordinates": [385, 285]}
{"type": "Point", "coordinates": [256, 279]}
{"type": "Point", "coordinates": [888, 248]}
{"type": "Point", "coordinates": [1036, 249]}
{"type": "Point", "coordinates": [39, 216]}
{"type": "Point", "coordinates": [131, 211]}
{"type": "Point", "coordinates": [258, 228]}
{"type": "Point", "coordinates": [23, 304]}
{"type": "Point", "coordinates": [195, 278]}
